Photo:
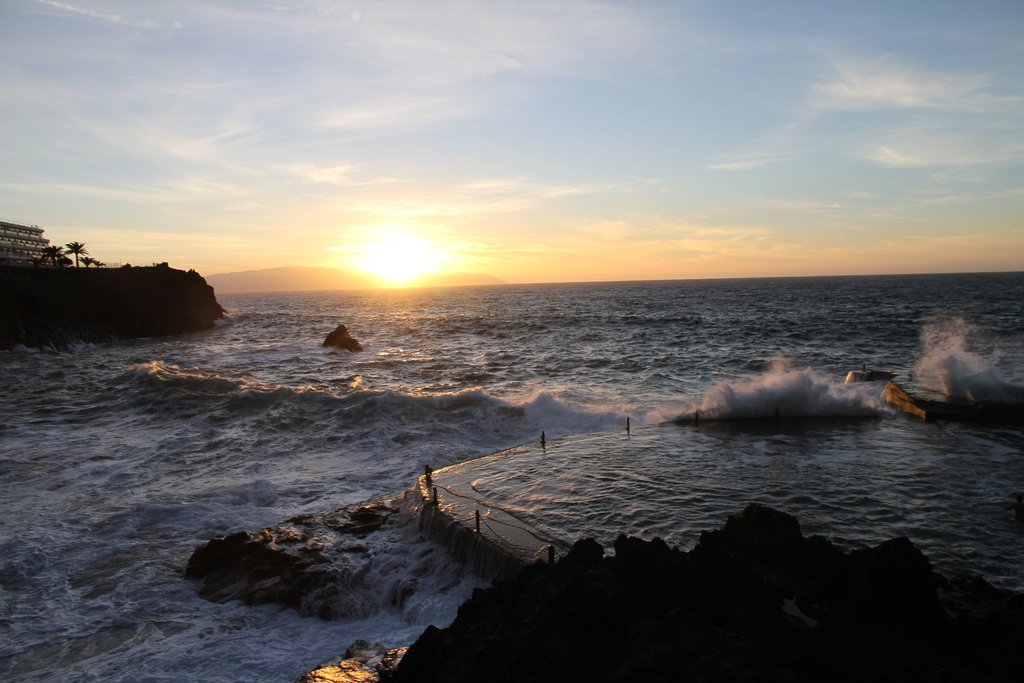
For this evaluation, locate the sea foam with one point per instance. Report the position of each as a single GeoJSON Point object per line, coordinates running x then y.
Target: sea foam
{"type": "Point", "coordinates": [953, 364]}
{"type": "Point", "coordinates": [785, 392]}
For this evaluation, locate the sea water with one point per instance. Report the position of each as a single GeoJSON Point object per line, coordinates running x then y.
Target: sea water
{"type": "Point", "coordinates": [118, 460]}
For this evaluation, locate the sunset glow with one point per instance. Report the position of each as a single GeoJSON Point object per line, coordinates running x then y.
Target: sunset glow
{"type": "Point", "coordinates": [399, 258]}
{"type": "Point", "coordinates": [546, 141]}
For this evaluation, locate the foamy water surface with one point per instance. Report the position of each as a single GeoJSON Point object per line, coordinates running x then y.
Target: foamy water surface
{"type": "Point", "coordinates": [117, 460]}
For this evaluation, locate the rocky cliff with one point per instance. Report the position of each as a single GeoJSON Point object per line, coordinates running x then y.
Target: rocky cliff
{"type": "Point", "coordinates": [755, 601]}
{"type": "Point", "coordinates": [56, 307]}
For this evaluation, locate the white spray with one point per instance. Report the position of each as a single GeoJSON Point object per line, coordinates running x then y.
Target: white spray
{"type": "Point", "coordinates": [951, 367]}
{"type": "Point", "coordinates": [786, 391]}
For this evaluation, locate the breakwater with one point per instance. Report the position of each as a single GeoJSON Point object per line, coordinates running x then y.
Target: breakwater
{"type": "Point", "coordinates": [58, 307]}
{"type": "Point", "coordinates": [484, 537]}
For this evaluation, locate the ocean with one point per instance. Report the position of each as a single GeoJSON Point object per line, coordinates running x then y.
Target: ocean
{"type": "Point", "coordinates": [118, 460]}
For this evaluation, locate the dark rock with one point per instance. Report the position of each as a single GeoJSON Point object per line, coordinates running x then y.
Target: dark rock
{"type": "Point", "coordinates": [361, 663]}
{"type": "Point", "coordinates": [772, 541]}
{"type": "Point", "coordinates": [755, 601]}
{"type": "Point", "coordinates": [894, 580]}
{"type": "Point", "coordinates": [311, 564]}
{"type": "Point", "coordinates": [341, 339]}
{"type": "Point", "coordinates": [585, 553]}
{"type": "Point", "coordinates": [57, 307]}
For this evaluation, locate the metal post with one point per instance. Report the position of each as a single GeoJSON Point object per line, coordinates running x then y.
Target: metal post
{"type": "Point", "coordinates": [478, 521]}
{"type": "Point", "coordinates": [627, 426]}
{"type": "Point", "coordinates": [543, 441]}
{"type": "Point", "coordinates": [428, 472]}
{"type": "Point", "coordinates": [435, 496]}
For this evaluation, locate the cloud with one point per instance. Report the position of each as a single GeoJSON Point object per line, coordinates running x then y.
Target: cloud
{"type": "Point", "coordinates": [803, 205]}
{"type": "Point", "coordinates": [110, 17]}
{"type": "Point", "coordinates": [608, 230]}
{"type": "Point", "coordinates": [453, 42]}
{"type": "Point", "coordinates": [333, 175]}
{"type": "Point", "coordinates": [882, 111]}
{"type": "Point", "coordinates": [887, 156]}
{"type": "Point", "coordinates": [491, 195]}
{"type": "Point", "coordinates": [404, 112]}
{"type": "Point", "coordinates": [942, 143]}
{"type": "Point", "coordinates": [246, 87]}
{"type": "Point", "coordinates": [747, 164]}
{"type": "Point", "coordinates": [884, 84]}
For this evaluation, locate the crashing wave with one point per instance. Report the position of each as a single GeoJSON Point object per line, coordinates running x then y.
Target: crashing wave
{"type": "Point", "coordinates": [784, 392]}
{"type": "Point", "coordinates": [951, 366]}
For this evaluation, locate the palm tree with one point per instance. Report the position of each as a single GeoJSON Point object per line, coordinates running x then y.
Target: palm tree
{"type": "Point", "coordinates": [76, 248]}
{"type": "Point", "coordinates": [53, 253]}
{"type": "Point", "coordinates": [88, 261]}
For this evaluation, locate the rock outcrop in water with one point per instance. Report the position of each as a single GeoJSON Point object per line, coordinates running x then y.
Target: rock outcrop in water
{"type": "Point", "coordinates": [58, 307]}
{"type": "Point", "coordinates": [755, 601]}
{"type": "Point", "coordinates": [299, 564]}
{"type": "Point", "coordinates": [341, 339]}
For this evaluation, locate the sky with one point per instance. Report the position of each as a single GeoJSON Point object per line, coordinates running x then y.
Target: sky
{"type": "Point", "coordinates": [532, 141]}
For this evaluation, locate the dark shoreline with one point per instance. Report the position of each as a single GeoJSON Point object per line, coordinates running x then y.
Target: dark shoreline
{"type": "Point", "coordinates": [753, 601]}
{"type": "Point", "coordinates": [59, 307]}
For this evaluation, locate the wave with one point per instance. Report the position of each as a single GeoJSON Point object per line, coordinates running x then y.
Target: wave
{"type": "Point", "coordinates": [950, 365]}
{"type": "Point", "coordinates": [561, 418]}
{"type": "Point", "coordinates": [466, 422]}
{"type": "Point", "coordinates": [785, 392]}
{"type": "Point", "coordinates": [185, 378]}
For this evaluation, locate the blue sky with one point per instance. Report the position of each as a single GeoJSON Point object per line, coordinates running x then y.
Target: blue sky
{"type": "Point", "coordinates": [534, 141]}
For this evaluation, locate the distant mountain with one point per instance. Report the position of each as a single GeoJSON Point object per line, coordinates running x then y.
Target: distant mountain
{"type": "Point", "coordinates": [459, 280]}
{"type": "Point", "coordinates": [290, 279]}
{"type": "Point", "coordinates": [304, 278]}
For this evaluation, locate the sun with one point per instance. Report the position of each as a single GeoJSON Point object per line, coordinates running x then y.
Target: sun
{"type": "Point", "coordinates": [399, 258]}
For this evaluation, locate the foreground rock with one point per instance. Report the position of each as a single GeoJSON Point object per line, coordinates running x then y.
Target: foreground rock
{"type": "Point", "coordinates": [341, 339]}
{"type": "Point", "coordinates": [362, 662]}
{"type": "Point", "coordinates": [58, 307]}
{"type": "Point", "coordinates": [311, 563]}
{"type": "Point", "coordinates": [755, 601]}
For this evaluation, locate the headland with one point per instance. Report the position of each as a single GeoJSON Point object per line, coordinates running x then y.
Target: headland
{"type": "Point", "coordinates": [59, 307]}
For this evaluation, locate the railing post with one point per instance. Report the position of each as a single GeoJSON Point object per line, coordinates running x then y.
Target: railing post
{"type": "Point", "coordinates": [478, 521]}
{"type": "Point", "coordinates": [627, 425]}
{"type": "Point", "coordinates": [434, 499]}
{"type": "Point", "coordinates": [543, 441]}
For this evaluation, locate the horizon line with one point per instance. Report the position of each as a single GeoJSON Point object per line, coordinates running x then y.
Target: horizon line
{"type": "Point", "coordinates": [608, 282]}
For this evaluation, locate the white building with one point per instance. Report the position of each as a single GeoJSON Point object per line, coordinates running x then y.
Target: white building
{"type": "Point", "coordinates": [19, 244]}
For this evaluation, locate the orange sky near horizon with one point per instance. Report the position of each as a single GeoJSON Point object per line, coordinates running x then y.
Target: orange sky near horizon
{"type": "Point", "coordinates": [534, 142]}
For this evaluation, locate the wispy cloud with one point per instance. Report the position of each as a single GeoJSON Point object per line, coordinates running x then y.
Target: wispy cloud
{"type": "Point", "coordinates": [452, 42]}
{"type": "Point", "coordinates": [495, 195]}
{"type": "Point", "coordinates": [883, 111]}
{"type": "Point", "coordinates": [403, 113]}
{"type": "Point", "coordinates": [939, 144]}
{"type": "Point", "coordinates": [334, 175]}
{"type": "Point", "coordinates": [529, 128]}
{"type": "Point", "coordinates": [884, 84]}
{"type": "Point", "coordinates": [747, 163]}
{"type": "Point", "coordinates": [111, 17]}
